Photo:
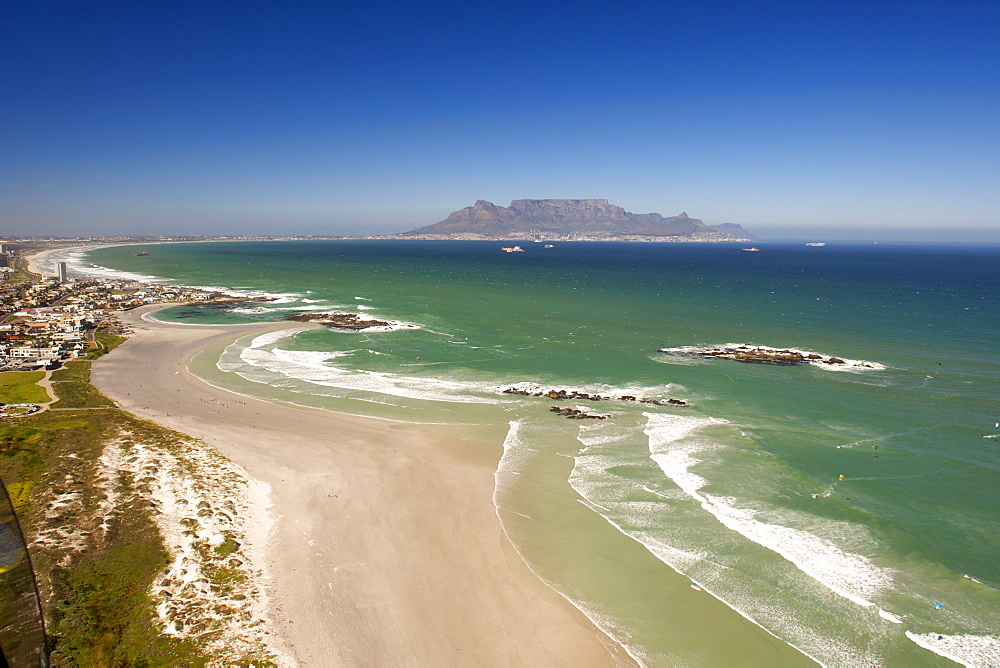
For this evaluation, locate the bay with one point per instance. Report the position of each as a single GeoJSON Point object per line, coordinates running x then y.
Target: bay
{"type": "Point", "coordinates": [850, 511]}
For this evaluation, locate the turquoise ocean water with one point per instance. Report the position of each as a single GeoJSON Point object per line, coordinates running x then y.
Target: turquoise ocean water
{"type": "Point", "coordinates": [895, 563]}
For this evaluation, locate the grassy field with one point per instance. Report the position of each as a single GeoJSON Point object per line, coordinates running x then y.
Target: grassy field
{"type": "Point", "coordinates": [19, 387]}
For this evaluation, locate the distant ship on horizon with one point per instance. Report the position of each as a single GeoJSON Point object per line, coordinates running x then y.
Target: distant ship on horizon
{"type": "Point", "coordinates": [816, 243]}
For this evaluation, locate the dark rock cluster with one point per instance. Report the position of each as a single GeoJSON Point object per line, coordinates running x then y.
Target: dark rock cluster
{"type": "Point", "coordinates": [577, 414]}
{"type": "Point", "coordinates": [555, 394]}
{"type": "Point", "coordinates": [341, 320]}
{"type": "Point", "coordinates": [750, 355]}
{"type": "Point", "coordinates": [564, 395]}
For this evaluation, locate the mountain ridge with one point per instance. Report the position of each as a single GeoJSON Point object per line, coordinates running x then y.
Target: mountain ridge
{"type": "Point", "coordinates": [567, 217]}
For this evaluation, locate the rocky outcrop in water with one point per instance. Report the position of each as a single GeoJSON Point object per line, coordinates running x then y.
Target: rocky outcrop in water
{"type": "Point", "coordinates": [340, 320]}
{"type": "Point", "coordinates": [562, 217]}
{"type": "Point", "coordinates": [577, 414]}
{"type": "Point", "coordinates": [752, 355]}
{"type": "Point", "coordinates": [566, 395]}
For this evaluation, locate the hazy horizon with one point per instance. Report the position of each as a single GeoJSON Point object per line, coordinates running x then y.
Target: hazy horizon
{"type": "Point", "coordinates": [763, 234]}
{"type": "Point", "coordinates": [226, 119]}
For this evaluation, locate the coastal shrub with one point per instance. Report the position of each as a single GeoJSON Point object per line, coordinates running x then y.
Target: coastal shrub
{"type": "Point", "coordinates": [19, 387]}
{"type": "Point", "coordinates": [78, 370]}
{"type": "Point", "coordinates": [77, 394]}
{"type": "Point", "coordinates": [227, 547]}
{"type": "Point", "coordinates": [94, 568]}
{"type": "Point", "coordinates": [21, 461]}
{"type": "Point", "coordinates": [108, 617]}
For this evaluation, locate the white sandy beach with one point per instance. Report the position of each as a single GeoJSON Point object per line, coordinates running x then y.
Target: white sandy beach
{"type": "Point", "coordinates": [33, 259]}
{"type": "Point", "coordinates": [386, 548]}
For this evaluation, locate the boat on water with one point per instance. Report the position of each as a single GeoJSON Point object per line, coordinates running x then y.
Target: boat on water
{"type": "Point", "coordinates": [512, 249]}
{"type": "Point", "coordinates": [816, 243]}
{"type": "Point", "coordinates": [548, 246]}
{"type": "Point", "coordinates": [141, 254]}
{"type": "Point", "coordinates": [751, 250]}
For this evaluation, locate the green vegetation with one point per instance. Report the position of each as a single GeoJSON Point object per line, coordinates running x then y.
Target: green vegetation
{"type": "Point", "coordinates": [95, 565]}
{"type": "Point", "coordinates": [95, 585]}
{"type": "Point", "coordinates": [76, 394]}
{"type": "Point", "coordinates": [227, 547]}
{"type": "Point", "coordinates": [18, 276]}
{"type": "Point", "coordinates": [71, 385]}
{"type": "Point", "coordinates": [109, 618]}
{"type": "Point", "coordinates": [78, 369]}
{"type": "Point", "coordinates": [104, 343]}
{"type": "Point", "coordinates": [19, 387]}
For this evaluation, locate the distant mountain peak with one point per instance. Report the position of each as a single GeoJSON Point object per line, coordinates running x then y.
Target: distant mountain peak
{"type": "Point", "coordinates": [594, 218]}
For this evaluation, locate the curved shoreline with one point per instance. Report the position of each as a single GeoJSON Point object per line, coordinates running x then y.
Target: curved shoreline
{"type": "Point", "coordinates": [386, 548]}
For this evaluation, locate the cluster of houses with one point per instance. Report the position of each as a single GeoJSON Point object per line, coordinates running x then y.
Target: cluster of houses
{"type": "Point", "coordinates": [41, 337]}
{"type": "Point", "coordinates": [27, 295]}
{"type": "Point", "coordinates": [46, 322]}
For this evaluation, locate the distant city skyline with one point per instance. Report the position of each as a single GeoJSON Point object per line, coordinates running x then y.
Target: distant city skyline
{"type": "Point", "coordinates": [845, 120]}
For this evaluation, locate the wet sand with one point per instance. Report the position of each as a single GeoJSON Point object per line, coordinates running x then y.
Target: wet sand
{"type": "Point", "coordinates": [386, 549]}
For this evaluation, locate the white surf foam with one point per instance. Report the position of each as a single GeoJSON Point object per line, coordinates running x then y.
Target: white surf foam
{"type": "Point", "coordinates": [889, 617]}
{"type": "Point", "coordinates": [275, 336]}
{"type": "Point", "coordinates": [318, 369]}
{"type": "Point", "coordinates": [669, 531]}
{"type": "Point", "coordinates": [969, 650]}
{"type": "Point", "coordinates": [602, 390]}
{"type": "Point", "coordinates": [848, 574]}
{"type": "Point", "coordinates": [78, 265]}
{"type": "Point", "coordinates": [256, 310]}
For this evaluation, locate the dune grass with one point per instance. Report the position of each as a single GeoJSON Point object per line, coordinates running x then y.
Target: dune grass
{"type": "Point", "coordinates": [95, 584]}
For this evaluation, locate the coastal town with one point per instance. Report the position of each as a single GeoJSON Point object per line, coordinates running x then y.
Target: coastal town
{"type": "Point", "coordinates": [47, 320]}
{"type": "Point", "coordinates": [78, 471]}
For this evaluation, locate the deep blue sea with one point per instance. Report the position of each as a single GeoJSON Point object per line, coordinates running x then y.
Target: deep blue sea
{"type": "Point", "coordinates": [849, 510]}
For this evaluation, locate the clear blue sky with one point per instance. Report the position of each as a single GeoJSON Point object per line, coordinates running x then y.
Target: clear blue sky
{"type": "Point", "coordinates": [328, 118]}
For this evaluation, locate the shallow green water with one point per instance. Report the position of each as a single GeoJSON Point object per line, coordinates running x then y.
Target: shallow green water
{"type": "Point", "coordinates": [740, 491]}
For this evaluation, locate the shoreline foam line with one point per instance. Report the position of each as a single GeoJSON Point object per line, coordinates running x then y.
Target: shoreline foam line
{"type": "Point", "coordinates": [599, 622]}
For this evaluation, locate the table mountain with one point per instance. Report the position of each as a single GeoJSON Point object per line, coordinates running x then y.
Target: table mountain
{"type": "Point", "coordinates": [562, 217]}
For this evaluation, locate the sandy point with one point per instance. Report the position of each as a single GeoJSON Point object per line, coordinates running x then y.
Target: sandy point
{"type": "Point", "coordinates": [386, 548]}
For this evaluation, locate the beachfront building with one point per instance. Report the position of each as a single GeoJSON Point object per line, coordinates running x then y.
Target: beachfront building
{"type": "Point", "coordinates": [61, 268]}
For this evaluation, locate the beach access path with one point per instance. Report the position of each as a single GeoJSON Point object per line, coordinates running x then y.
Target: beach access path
{"type": "Point", "coordinates": [386, 548]}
